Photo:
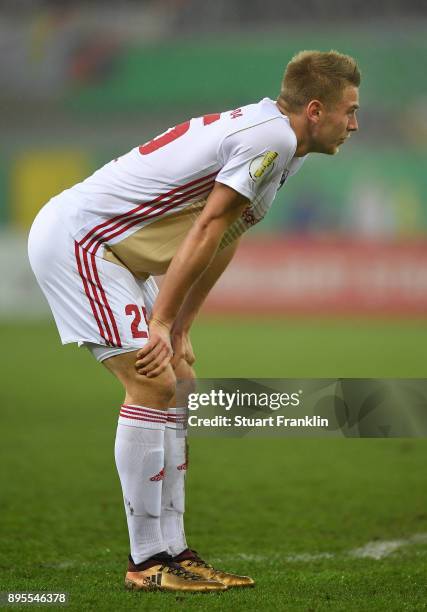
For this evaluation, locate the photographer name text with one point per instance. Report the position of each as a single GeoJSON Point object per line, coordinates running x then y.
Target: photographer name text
{"type": "Point", "coordinates": [271, 421]}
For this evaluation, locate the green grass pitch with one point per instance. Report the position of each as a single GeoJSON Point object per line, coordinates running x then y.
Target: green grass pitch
{"type": "Point", "coordinates": [287, 512]}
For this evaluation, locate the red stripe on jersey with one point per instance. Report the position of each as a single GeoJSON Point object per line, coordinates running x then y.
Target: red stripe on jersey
{"type": "Point", "coordinates": [148, 214]}
{"type": "Point", "coordinates": [199, 191]}
{"type": "Point", "coordinates": [138, 208]}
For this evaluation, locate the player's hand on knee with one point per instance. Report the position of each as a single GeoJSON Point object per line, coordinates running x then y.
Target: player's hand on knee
{"type": "Point", "coordinates": [156, 355]}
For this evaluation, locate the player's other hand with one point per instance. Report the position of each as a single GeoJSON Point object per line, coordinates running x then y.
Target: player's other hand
{"type": "Point", "coordinates": [155, 357]}
{"type": "Point", "coordinates": [182, 349]}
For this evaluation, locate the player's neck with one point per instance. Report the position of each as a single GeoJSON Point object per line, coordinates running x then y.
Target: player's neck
{"type": "Point", "coordinates": [297, 124]}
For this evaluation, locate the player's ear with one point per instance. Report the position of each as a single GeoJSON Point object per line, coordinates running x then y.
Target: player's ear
{"type": "Point", "coordinates": [314, 110]}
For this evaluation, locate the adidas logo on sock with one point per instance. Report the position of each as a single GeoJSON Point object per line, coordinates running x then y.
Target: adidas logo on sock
{"type": "Point", "coordinates": [158, 476]}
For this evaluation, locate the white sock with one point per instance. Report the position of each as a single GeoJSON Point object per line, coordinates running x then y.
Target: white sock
{"type": "Point", "coordinates": [173, 494]}
{"type": "Point", "coordinates": [139, 454]}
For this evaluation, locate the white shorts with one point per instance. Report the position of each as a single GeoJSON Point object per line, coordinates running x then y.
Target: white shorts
{"type": "Point", "coordinates": [95, 303]}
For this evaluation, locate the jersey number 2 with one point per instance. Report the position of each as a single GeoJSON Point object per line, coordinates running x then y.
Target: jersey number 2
{"type": "Point", "coordinates": [134, 310]}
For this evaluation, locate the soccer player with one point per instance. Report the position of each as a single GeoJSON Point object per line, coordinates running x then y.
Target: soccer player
{"type": "Point", "coordinates": [175, 206]}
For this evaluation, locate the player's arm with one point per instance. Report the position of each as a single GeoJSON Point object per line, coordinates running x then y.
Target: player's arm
{"type": "Point", "coordinates": [197, 251]}
{"type": "Point", "coordinates": [193, 302]}
{"type": "Point", "coordinates": [201, 288]}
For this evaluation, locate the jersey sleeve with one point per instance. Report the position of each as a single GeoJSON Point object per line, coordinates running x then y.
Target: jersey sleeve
{"type": "Point", "coordinates": [254, 157]}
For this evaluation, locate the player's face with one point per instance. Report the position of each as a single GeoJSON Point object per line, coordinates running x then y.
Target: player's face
{"type": "Point", "coordinates": [335, 124]}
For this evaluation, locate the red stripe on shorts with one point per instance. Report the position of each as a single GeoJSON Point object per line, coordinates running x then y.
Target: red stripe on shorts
{"type": "Point", "coordinates": [93, 286]}
{"type": "Point", "coordinates": [87, 292]}
{"type": "Point", "coordinates": [106, 303]}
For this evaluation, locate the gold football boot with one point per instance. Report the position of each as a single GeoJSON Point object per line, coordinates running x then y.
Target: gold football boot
{"type": "Point", "coordinates": [162, 574]}
{"type": "Point", "coordinates": [190, 560]}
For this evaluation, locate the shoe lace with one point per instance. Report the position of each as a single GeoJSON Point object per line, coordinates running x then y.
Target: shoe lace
{"type": "Point", "coordinates": [177, 570]}
{"type": "Point", "coordinates": [199, 562]}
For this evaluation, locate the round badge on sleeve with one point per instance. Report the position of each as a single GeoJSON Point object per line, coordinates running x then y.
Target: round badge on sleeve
{"type": "Point", "coordinates": [262, 165]}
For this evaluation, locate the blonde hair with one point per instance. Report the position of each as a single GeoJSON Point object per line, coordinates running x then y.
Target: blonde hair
{"type": "Point", "coordinates": [317, 75]}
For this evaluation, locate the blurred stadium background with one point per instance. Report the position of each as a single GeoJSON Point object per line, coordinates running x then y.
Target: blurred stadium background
{"type": "Point", "coordinates": [81, 83]}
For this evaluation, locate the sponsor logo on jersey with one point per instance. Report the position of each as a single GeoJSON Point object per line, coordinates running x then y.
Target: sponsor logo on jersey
{"type": "Point", "coordinates": [262, 165]}
{"type": "Point", "coordinates": [181, 467]}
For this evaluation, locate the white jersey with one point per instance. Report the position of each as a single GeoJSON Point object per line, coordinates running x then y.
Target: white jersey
{"type": "Point", "coordinates": [94, 247]}
{"type": "Point", "coordinates": [250, 149]}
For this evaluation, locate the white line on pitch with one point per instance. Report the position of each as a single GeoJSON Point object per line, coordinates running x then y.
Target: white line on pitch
{"type": "Point", "coordinates": [372, 550]}
{"type": "Point", "coordinates": [381, 549]}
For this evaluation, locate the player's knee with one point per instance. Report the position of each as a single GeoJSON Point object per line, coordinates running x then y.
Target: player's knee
{"type": "Point", "coordinates": [185, 382]}
{"type": "Point", "coordinates": [184, 370]}
{"type": "Point", "coordinates": [155, 392]}
{"type": "Point", "coordinates": [162, 386]}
